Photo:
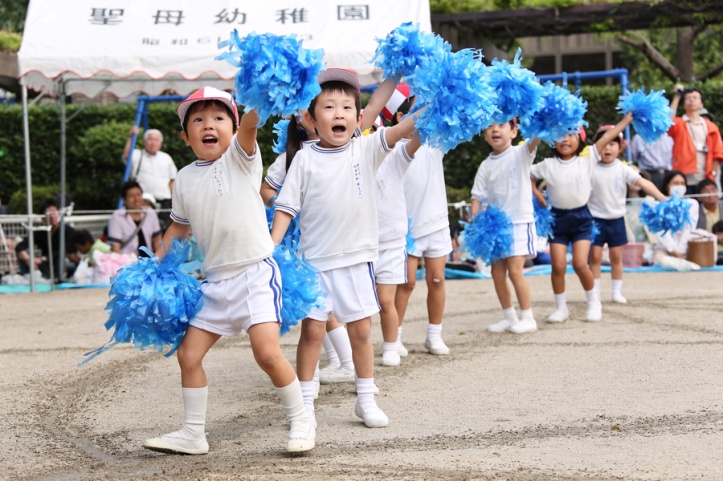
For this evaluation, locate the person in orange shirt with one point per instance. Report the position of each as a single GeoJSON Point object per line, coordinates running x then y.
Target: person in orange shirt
{"type": "Point", "coordinates": [697, 145]}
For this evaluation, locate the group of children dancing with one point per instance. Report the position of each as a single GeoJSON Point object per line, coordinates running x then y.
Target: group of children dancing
{"type": "Point", "coordinates": [357, 193]}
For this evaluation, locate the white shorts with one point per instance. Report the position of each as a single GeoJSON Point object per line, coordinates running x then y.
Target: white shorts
{"type": "Point", "coordinates": [234, 305]}
{"type": "Point", "coordinates": [350, 294]}
{"type": "Point", "coordinates": [436, 244]}
{"type": "Point", "coordinates": [391, 267]}
{"type": "Point", "coordinates": [524, 240]}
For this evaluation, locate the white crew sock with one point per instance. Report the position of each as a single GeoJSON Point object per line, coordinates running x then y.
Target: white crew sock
{"type": "Point", "coordinates": [434, 331]}
{"type": "Point", "coordinates": [340, 339]}
{"type": "Point", "coordinates": [389, 347]}
{"type": "Point", "coordinates": [331, 355]}
{"type": "Point", "coordinates": [561, 301]}
{"type": "Point", "coordinates": [617, 287]}
{"type": "Point", "coordinates": [526, 315]}
{"type": "Point", "coordinates": [194, 410]}
{"type": "Point", "coordinates": [307, 390]}
{"type": "Point", "coordinates": [293, 401]}
{"type": "Point", "coordinates": [399, 335]}
{"type": "Point", "coordinates": [365, 390]}
{"type": "Point", "coordinates": [510, 314]}
{"type": "Point", "coordinates": [597, 286]}
{"type": "Point", "coordinates": [592, 296]}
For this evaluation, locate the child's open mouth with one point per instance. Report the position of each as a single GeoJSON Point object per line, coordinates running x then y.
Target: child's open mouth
{"type": "Point", "coordinates": [338, 129]}
{"type": "Point", "coordinates": [209, 140]}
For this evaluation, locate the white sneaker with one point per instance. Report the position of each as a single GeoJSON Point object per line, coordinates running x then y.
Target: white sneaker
{"type": "Point", "coordinates": [402, 350]}
{"type": "Point", "coordinates": [316, 389]}
{"type": "Point", "coordinates": [525, 325]}
{"type": "Point", "coordinates": [376, 390]}
{"type": "Point", "coordinates": [371, 414]}
{"type": "Point", "coordinates": [619, 299]}
{"type": "Point", "coordinates": [436, 347]}
{"type": "Point", "coordinates": [594, 312]}
{"type": "Point", "coordinates": [502, 326]}
{"type": "Point", "coordinates": [302, 437]}
{"type": "Point", "coordinates": [559, 315]}
{"type": "Point", "coordinates": [391, 358]}
{"type": "Point", "coordinates": [330, 367]}
{"type": "Point", "coordinates": [175, 443]}
{"type": "Point", "coordinates": [338, 375]}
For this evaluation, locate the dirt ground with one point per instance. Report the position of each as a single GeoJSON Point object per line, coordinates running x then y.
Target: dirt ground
{"type": "Point", "coordinates": [638, 396]}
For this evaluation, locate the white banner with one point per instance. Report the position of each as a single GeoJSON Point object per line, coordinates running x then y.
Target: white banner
{"type": "Point", "coordinates": [126, 46]}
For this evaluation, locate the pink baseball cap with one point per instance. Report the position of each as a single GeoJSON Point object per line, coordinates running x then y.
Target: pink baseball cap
{"type": "Point", "coordinates": [583, 134]}
{"type": "Point", "coordinates": [401, 93]}
{"type": "Point", "coordinates": [208, 93]}
{"type": "Point", "coordinates": [339, 75]}
{"type": "Point", "coordinates": [608, 127]}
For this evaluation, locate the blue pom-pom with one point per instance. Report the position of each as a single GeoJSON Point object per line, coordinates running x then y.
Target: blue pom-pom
{"type": "Point", "coordinates": [544, 219]}
{"type": "Point", "coordinates": [292, 237]}
{"type": "Point", "coordinates": [152, 303]}
{"type": "Point", "coordinates": [489, 235]}
{"type": "Point", "coordinates": [460, 103]}
{"type": "Point", "coordinates": [405, 48]}
{"type": "Point", "coordinates": [280, 129]}
{"type": "Point", "coordinates": [276, 76]}
{"type": "Point", "coordinates": [301, 289]}
{"type": "Point", "coordinates": [651, 113]}
{"type": "Point", "coordinates": [595, 231]}
{"type": "Point", "coordinates": [669, 216]}
{"type": "Point", "coordinates": [518, 91]}
{"type": "Point", "coordinates": [410, 240]}
{"type": "Point", "coordinates": [561, 114]}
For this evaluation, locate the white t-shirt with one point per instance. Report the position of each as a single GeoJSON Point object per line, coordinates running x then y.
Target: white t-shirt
{"type": "Point", "coordinates": [221, 201]}
{"type": "Point", "coordinates": [332, 192]}
{"type": "Point", "coordinates": [155, 173]}
{"type": "Point", "coordinates": [426, 193]}
{"type": "Point", "coordinates": [609, 188]}
{"type": "Point", "coordinates": [569, 182]}
{"type": "Point", "coordinates": [504, 181]}
{"type": "Point", "coordinates": [276, 172]}
{"type": "Point", "coordinates": [391, 204]}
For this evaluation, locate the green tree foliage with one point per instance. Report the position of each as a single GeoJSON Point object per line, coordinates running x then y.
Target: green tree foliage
{"type": "Point", "coordinates": [12, 15]}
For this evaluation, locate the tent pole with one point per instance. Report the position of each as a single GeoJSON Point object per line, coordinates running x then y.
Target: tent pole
{"type": "Point", "coordinates": [63, 139]}
{"type": "Point", "coordinates": [28, 189]}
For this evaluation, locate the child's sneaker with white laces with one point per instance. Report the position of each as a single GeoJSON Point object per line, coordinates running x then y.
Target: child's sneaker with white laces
{"type": "Point", "coordinates": [177, 443]}
{"type": "Point", "coordinates": [372, 415]}
{"type": "Point", "coordinates": [594, 312]}
{"type": "Point", "coordinates": [403, 352]}
{"type": "Point", "coordinates": [561, 314]}
{"type": "Point", "coordinates": [436, 346]}
{"type": "Point", "coordinates": [391, 358]}
{"type": "Point", "coordinates": [524, 326]}
{"type": "Point", "coordinates": [502, 326]}
{"type": "Point", "coordinates": [302, 436]}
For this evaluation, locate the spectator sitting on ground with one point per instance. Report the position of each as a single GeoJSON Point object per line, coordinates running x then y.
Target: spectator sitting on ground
{"type": "Point", "coordinates": [83, 242]}
{"type": "Point", "coordinates": [711, 205]}
{"type": "Point", "coordinates": [49, 208]}
{"type": "Point", "coordinates": [718, 231]}
{"type": "Point", "coordinates": [135, 225]}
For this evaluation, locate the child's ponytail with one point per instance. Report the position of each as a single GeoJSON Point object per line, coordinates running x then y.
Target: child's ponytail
{"type": "Point", "coordinates": [294, 140]}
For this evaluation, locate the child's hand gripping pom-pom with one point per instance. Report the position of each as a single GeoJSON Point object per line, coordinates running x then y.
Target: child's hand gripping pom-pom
{"type": "Point", "coordinates": [280, 129]}
{"type": "Point", "coordinates": [489, 235]}
{"type": "Point", "coordinates": [293, 233]}
{"type": "Point", "coordinates": [460, 103]}
{"type": "Point", "coordinates": [152, 303]}
{"type": "Point", "coordinates": [544, 219]}
{"type": "Point", "coordinates": [276, 76]}
{"type": "Point", "coordinates": [672, 215]}
{"type": "Point", "coordinates": [561, 114]}
{"type": "Point", "coordinates": [651, 113]}
{"type": "Point", "coordinates": [301, 290]}
{"type": "Point", "coordinates": [405, 48]}
{"type": "Point", "coordinates": [518, 91]}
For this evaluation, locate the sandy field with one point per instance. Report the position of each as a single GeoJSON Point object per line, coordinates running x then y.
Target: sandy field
{"type": "Point", "coordinates": [638, 396]}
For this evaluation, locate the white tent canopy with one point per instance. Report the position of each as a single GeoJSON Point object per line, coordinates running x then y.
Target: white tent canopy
{"type": "Point", "coordinates": [130, 46]}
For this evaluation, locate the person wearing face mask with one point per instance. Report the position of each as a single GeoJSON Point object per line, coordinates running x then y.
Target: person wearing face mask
{"type": "Point", "coordinates": [671, 248]}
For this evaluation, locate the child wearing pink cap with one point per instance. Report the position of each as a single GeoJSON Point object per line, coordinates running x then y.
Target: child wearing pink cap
{"type": "Point", "coordinates": [218, 195]}
{"type": "Point", "coordinates": [334, 180]}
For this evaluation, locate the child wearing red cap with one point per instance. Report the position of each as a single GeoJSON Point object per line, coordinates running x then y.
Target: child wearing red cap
{"type": "Point", "coordinates": [333, 179]}
{"type": "Point", "coordinates": [569, 183]}
{"type": "Point", "coordinates": [218, 195]}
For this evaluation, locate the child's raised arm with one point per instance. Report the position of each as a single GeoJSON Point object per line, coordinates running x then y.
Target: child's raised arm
{"type": "Point", "coordinates": [377, 101]}
{"type": "Point", "coordinates": [403, 129]}
{"type": "Point", "coordinates": [650, 188]}
{"type": "Point", "coordinates": [247, 130]}
{"type": "Point", "coordinates": [612, 133]}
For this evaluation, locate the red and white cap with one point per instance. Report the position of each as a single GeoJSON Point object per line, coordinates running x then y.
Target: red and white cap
{"type": "Point", "coordinates": [401, 93]}
{"type": "Point", "coordinates": [582, 133]}
{"type": "Point", "coordinates": [208, 93]}
{"type": "Point", "coordinates": [608, 127]}
{"type": "Point", "coordinates": [339, 75]}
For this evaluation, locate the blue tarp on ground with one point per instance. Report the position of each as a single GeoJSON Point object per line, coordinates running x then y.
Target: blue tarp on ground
{"type": "Point", "coordinates": [546, 270]}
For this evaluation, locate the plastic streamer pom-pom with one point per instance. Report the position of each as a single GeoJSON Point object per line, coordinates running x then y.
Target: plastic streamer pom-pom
{"type": "Point", "coordinates": [411, 244]}
{"type": "Point", "coordinates": [152, 303]}
{"type": "Point", "coordinates": [405, 48]}
{"type": "Point", "coordinates": [544, 219]}
{"type": "Point", "coordinates": [651, 113]}
{"type": "Point", "coordinates": [595, 231]}
{"type": "Point", "coordinates": [518, 91]}
{"type": "Point", "coordinates": [280, 129]}
{"type": "Point", "coordinates": [669, 216]}
{"type": "Point", "coordinates": [276, 76]}
{"type": "Point", "coordinates": [460, 103]}
{"type": "Point", "coordinates": [301, 289]}
{"type": "Point", "coordinates": [562, 113]}
{"type": "Point", "coordinates": [489, 235]}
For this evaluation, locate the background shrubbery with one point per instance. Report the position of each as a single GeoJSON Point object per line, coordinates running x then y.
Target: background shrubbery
{"type": "Point", "coordinates": [97, 134]}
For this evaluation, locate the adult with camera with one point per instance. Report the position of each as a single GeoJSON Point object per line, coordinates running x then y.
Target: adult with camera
{"type": "Point", "coordinates": [697, 145]}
